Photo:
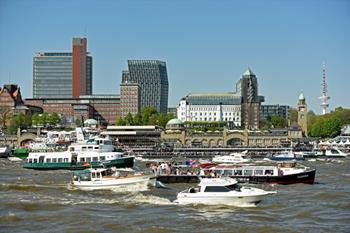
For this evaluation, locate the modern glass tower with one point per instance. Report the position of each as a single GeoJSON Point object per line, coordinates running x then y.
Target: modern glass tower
{"type": "Point", "coordinates": [152, 77]}
{"type": "Point", "coordinates": [63, 75]}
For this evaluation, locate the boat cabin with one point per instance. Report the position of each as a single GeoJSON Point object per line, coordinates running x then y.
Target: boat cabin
{"type": "Point", "coordinates": [96, 144]}
{"type": "Point", "coordinates": [66, 157]}
{"type": "Point", "coordinates": [246, 170]}
{"type": "Point", "coordinates": [92, 174]}
{"type": "Point", "coordinates": [216, 185]}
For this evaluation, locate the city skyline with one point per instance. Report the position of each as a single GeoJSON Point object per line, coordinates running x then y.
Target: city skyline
{"type": "Point", "coordinates": [207, 47]}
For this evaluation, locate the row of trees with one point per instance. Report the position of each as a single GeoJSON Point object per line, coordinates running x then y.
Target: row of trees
{"type": "Point", "coordinates": [148, 116]}
{"type": "Point", "coordinates": [328, 125]}
{"type": "Point", "coordinates": [22, 120]}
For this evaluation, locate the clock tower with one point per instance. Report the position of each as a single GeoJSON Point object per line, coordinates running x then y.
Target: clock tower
{"type": "Point", "coordinates": [302, 114]}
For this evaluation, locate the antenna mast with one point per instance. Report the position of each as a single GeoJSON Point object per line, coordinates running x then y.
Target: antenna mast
{"type": "Point", "coordinates": [324, 98]}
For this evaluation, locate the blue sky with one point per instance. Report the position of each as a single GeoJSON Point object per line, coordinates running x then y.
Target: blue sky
{"type": "Point", "coordinates": [207, 44]}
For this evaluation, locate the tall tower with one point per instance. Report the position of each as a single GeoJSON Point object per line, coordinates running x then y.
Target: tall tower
{"type": "Point", "coordinates": [302, 113]}
{"type": "Point", "coordinates": [324, 98]}
{"type": "Point", "coordinates": [247, 87]}
{"type": "Point", "coordinates": [81, 68]}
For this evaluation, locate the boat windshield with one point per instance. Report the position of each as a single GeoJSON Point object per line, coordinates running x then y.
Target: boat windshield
{"type": "Point", "coordinates": [234, 187]}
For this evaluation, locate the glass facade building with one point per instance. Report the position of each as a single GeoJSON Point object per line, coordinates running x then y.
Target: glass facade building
{"type": "Point", "coordinates": [52, 75]}
{"type": "Point", "coordinates": [63, 74]}
{"type": "Point", "coordinates": [152, 77]}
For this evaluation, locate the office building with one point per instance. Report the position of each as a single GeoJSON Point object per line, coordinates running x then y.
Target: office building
{"type": "Point", "coordinates": [152, 77]}
{"type": "Point", "coordinates": [267, 111]}
{"type": "Point", "coordinates": [130, 98]}
{"type": "Point", "coordinates": [63, 74]}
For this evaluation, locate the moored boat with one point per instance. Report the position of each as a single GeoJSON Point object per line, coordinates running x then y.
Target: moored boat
{"type": "Point", "coordinates": [222, 191]}
{"type": "Point", "coordinates": [332, 153]}
{"type": "Point", "coordinates": [102, 178]}
{"type": "Point", "coordinates": [4, 151]}
{"type": "Point", "coordinates": [232, 158]}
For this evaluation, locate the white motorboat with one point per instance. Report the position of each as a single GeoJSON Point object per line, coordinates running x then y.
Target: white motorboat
{"type": "Point", "coordinates": [333, 152]}
{"type": "Point", "coordinates": [232, 158]}
{"type": "Point", "coordinates": [222, 191]}
{"type": "Point", "coordinates": [102, 178]}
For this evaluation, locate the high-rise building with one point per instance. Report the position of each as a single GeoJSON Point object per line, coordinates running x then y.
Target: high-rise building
{"type": "Point", "coordinates": [63, 75]}
{"type": "Point", "coordinates": [302, 113]}
{"type": "Point", "coordinates": [247, 87]}
{"type": "Point", "coordinates": [152, 77]}
{"type": "Point", "coordinates": [130, 98]}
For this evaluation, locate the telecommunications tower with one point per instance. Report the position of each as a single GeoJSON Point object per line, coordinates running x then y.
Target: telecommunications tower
{"type": "Point", "coordinates": [324, 98]}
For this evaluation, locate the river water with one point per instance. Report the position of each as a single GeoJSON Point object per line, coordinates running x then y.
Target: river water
{"type": "Point", "coordinates": [40, 201]}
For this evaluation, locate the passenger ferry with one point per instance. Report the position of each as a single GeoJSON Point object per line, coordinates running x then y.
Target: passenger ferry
{"type": "Point", "coordinates": [282, 173]}
{"type": "Point", "coordinates": [95, 153]}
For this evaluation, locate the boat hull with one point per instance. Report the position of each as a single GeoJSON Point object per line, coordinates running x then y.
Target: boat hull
{"type": "Point", "coordinates": [119, 163]}
{"type": "Point", "coordinates": [286, 159]}
{"type": "Point", "coordinates": [238, 201]}
{"type": "Point", "coordinates": [139, 183]}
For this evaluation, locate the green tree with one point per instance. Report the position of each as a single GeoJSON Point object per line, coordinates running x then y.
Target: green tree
{"type": "Point", "coordinates": [77, 122]}
{"type": "Point", "coordinates": [121, 121]}
{"type": "Point", "coordinates": [129, 119]}
{"type": "Point", "coordinates": [278, 121]}
{"type": "Point", "coordinates": [53, 119]}
{"type": "Point", "coordinates": [292, 115]}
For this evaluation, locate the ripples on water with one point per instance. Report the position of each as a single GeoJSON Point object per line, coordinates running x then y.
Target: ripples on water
{"type": "Point", "coordinates": [40, 201]}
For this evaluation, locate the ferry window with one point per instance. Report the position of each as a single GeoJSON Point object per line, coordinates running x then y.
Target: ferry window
{"type": "Point", "coordinates": [216, 189]}
{"type": "Point", "coordinates": [108, 143]}
{"type": "Point", "coordinates": [88, 159]}
{"type": "Point", "coordinates": [35, 161]}
{"type": "Point", "coordinates": [90, 147]}
{"type": "Point", "coordinates": [102, 158]}
{"type": "Point", "coordinates": [60, 160]}
{"type": "Point", "coordinates": [268, 172]}
{"type": "Point", "coordinates": [93, 175]}
{"type": "Point", "coordinates": [71, 149]}
{"type": "Point", "coordinates": [48, 160]}
{"type": "Point", "coordinates": [94, 159]}
{"type": "Point", "coordinates": [227, 172]}
{"type": "Point", "coordinates": [54, 160]}
{"type": "Point", "coordinates": [258, 172]}
{"type": "Point", "coordinates": [82, 159]}
{"type": "Point", "coordinates": [83, 148]}
{"type": "Point", "coordinates": [238, 172]}
{"type": "Point", "coordinates": [65, 160]}
{"type": "Point", "coordinates": [30, 160]}
{"type": "Point", "coordinates": [248, 172]}
{"type": "Point", "coordinates": [96, 147]}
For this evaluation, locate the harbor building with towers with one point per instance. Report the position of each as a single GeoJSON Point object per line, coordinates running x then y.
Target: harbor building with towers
{"type": "Point", "coordinates": [240, 108]}
{"type": "Point", "coordinates": [152, 78]}
{"type": "Point", "coordinates": [63, 74]}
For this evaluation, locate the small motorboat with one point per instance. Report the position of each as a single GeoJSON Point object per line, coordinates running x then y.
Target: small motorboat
{"type": "Point", "coordinates": [287, 156]}
{"type": "Point", "coordinates": [232, 158]}
{"type": "Point", "coordinates": [110, 178]}
{"type": "Point", "coordinates": [222, 191]}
